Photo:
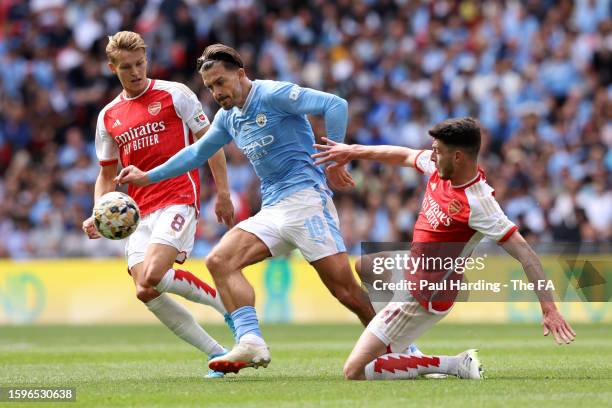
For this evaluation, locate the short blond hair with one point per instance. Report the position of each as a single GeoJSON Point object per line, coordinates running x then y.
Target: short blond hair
{"type": "Point", "coordinates": [123, 41]}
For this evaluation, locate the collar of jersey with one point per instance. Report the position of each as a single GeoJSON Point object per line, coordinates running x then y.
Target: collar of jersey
{"type": "Point", "coordinates": [149, 82]}
{"type": "Point", "coordinates": [469, 182]}
{"type": "Point", "coordinates": [249, 98]}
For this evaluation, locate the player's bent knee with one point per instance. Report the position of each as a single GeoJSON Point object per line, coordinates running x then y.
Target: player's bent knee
{"type": "Point", "coordinates": [216, 263]}
{"type": "Point", "coordinates": [212, 262]}
{"type": "Point", "coordinates": [146, 294]}
{"type": "Point", "coordinates": [152, 277]}
{"type": "Point", "coordinates": [353, 372]}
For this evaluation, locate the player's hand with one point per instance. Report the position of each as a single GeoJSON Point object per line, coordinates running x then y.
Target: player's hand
{"type": "Point", "coordinates": [90, 229]}
{"type": "Point", "coordinates": [338, 177]}
{"type": "Point", "coordinates": [224, 208]}
{"type": "Point", "coordinates": [132, 175]}
{"type": "Point", "coordinates": [339, 153]}
{"type": "Point", "coordinates": [555, 323]}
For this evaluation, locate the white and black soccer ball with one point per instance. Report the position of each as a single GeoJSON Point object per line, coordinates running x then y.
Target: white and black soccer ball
{"type": "Point", "coordinates": [116, 215]}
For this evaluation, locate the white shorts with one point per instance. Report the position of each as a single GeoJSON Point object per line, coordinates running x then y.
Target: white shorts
{"type": "Point", "coordinates": [174, 225]}
{"type": "Point", "coordinates": [306, 220]}
{"type": "Point", "coordinates": [399, 324]}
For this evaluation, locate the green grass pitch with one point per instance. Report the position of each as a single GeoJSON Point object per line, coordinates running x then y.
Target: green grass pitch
{"type": "Point", "coordinates": [147, 366]}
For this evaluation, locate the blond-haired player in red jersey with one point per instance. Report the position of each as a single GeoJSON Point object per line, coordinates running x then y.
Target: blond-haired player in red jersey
{"type": "Point", "coordinates": [145, 125]}
{"type": "Point", "coordinates": [458, 208]}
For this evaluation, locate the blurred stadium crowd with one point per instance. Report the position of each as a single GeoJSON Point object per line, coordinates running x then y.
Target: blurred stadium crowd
{"type": "Point", "coordinates": [536, 73]}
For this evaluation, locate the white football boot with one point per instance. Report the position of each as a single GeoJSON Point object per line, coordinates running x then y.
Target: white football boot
{"type": "Point", "coordinates": [469, 366]}
{"type": "Point", "coordinates": [244, 354]}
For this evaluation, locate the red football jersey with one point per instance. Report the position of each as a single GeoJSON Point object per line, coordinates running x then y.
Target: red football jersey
{"type": "Point", "coordinates": [147, 130]}
{"type": "Point", "coordinates": [452, 221]}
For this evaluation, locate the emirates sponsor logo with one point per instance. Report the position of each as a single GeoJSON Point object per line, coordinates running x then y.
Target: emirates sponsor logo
{"type": "Point", "coordinates": [148, 129]}
{"type": "Point", "coordinates": [154, 108]}
{"type": "Point", "coordinates": [434, 213]}
{"type": "Point", "coordinates": [454, 207]}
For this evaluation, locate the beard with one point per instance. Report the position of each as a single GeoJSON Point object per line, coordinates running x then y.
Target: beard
{"type": "Point", "coordinates": [445, 173]}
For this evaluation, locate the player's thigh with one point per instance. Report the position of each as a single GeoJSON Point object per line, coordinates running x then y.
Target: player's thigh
{"type": "Point", "coordinates": [136, 245]}
{"type": "Point", "coordinates": [158, 259]}
{"type": "Point", "coordinates": [237, 249]}
{"type": "Point", "coordinates": [265, 226]}
{"type": "Point", "coordinates": [310, 223]}
{"type": "Point", "coordinates": [172, 239]}
{"type": "Point", "coordinates": [175, 226]}
{"type": "Point", "coordinates": [137, 273]}
{"type": "Point", "coordinates": [400, 323]}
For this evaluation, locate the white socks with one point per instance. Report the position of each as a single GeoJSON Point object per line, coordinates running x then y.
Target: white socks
{"type": "Point", "coordinates": [397, 366]}
{"type": "Point", "coordinates": [181, 322]}
{"type": "Point", "coordinates": [252, 339]}
{"type": "Point", "coordinates": [187, 285]}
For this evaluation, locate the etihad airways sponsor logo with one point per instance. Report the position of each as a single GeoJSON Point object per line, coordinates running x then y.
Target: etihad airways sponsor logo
{"type": "Point", "coordinates": [140, 131]}
{"type": "Point", "coordinates": [257, 149]}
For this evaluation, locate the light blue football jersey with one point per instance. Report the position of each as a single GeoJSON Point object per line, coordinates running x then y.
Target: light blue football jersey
{"type": "Point", "coordinates": [272, 130]}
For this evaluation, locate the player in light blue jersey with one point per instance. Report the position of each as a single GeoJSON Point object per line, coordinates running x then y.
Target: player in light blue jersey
{"type": "Point", "coordinates": [268, 122]}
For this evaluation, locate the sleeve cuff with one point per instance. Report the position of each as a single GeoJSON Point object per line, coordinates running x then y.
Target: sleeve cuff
{"type": "Point", "coordinates": [415, 162]}
{"type": "Point", "coordinates": [154, 175]}
{"type": "Point", "coordinates": [108, 162]}
{"type": "Point", "coordinates": [507, 234]}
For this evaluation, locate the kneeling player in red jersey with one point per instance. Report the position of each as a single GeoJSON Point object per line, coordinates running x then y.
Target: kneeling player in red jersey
{"type": "Point", "coordinates": [458, 207]}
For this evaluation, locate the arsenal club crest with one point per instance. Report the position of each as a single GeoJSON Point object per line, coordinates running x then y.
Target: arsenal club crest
{"type": "Point", "coordinates": [454, 207]}
{"type": "Point", "coordinates": [154, 108]}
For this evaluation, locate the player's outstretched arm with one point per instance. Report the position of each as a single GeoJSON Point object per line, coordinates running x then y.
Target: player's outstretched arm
{"type": "Point", "coordinates": [104, 184]}
{"type": "Point", "coordinates": [552, 320]}
{"type": "Point", "coordinates": [224, 209]}
{"type": "Point", "coordinates": [187, 159]}
{"type": "Point", "coordinates": [340, 154]}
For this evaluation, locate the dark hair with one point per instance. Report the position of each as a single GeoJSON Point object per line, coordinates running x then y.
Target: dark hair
{"type": "Point", "coordinates": [463, 133]}
{"type": "Point", "coordinates": [219, 53]}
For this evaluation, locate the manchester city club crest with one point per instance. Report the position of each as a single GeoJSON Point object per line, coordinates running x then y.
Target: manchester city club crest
{"type": "Point", "coordinates": [261, 120]}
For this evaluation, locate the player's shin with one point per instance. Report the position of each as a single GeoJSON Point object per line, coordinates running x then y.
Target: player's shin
{"type": "Point", "coordinates": [178, 319]}
{"type": "Point", "coordinates": [189, 286]}
{"type": "Point", "coordinates": [397, 366]}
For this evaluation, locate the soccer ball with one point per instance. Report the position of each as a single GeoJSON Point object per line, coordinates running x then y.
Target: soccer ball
{"type": "Point", "coordinates": [116, 215]}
